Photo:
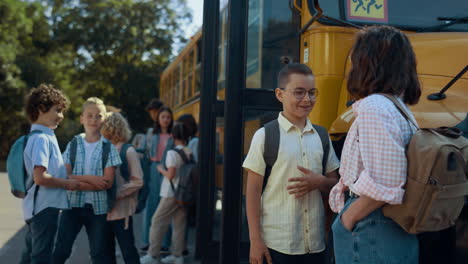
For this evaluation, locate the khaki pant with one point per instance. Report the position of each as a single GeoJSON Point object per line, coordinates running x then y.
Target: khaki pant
{"type": "Point", "coordinates": [167, 211]}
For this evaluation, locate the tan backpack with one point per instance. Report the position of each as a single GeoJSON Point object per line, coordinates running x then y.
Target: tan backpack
{"type": "Point", "coordinates": [437, 179]}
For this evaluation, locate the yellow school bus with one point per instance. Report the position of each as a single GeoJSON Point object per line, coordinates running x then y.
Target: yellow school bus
{"type": "Point", "coordinates": [439, 36]}
{"type": "Point", "coordinates": [180, 81]}
{"type": "Point", "coordinates": [321, 34]}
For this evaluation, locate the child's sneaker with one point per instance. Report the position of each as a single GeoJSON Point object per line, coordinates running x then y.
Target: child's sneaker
{"type": "Point", "coordinates": [148, 259]}
{"type": "Point", "coordinates": [164, 251]}
{"type": "Point", "coordinates": [173, 259]}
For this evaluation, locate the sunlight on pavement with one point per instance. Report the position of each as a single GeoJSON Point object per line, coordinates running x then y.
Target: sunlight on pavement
{"type": "Point", "coordinates": [10, 211]}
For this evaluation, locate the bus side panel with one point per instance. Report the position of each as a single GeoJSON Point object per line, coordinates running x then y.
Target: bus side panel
{"type": "Point", "coordinates": [325, 50]}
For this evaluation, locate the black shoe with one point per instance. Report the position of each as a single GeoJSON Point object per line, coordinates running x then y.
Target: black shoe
{"type": "Point", "coordinates": [185, 252]}
{"type": "Point", "coordinates": [165, 250]}
{"type": "Point", "coordinates": [145, 248]}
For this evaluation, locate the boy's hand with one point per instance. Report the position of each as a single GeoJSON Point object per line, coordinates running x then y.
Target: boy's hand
{"type": "Point", "coordinates": [100, 182]}
{"type": "Point", "coordinates": [72, 185]}
{"type": "Point", "coordinates": [160, 168]}
{"type": "Point", "coordinates": [303, 185]}
{"type": "Point", "coordinates": [258, 251]}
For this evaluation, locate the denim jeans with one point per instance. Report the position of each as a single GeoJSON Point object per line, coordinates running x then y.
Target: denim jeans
{"type": "Point", "coordinates": [126, 240]}
{"type": "Point", "coordinates": [97, 228]}
{"type": "Point", "coordinates": [40, 235]}
{"type": "Point", "coordinates": [280, 258]}
{"type": "Point", "coordinates": [374, 239]}
{"type": "Point", "coordinates": [152, 204]}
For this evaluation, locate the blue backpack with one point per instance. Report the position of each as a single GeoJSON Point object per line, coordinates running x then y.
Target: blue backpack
{"type": "Point", "coordinates": [20, 182]}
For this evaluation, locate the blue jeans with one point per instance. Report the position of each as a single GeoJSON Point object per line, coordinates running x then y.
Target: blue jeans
{"type": "Point", "coordinates": [374, 239]}
{"type": "Point", "coordinates": [126, 240]}
{"type": "Point", "coordinates": [152, 204]}
{"type": "Point", "coordinates": [97, 228]}
{"type": "Point", "coordinates": [40, 235]}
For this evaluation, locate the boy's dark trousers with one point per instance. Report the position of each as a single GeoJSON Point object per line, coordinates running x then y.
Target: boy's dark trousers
{"type": "Point", "coordinates": [126, 241]}
{"type": "Point", "coordinates": [97, 228]}
{"type": "Point", "coordinates": [40, 234]}
{"type": "Point", "coordinates": [280, 258]}
{"type": "Point", "coordinates": [438, 247]}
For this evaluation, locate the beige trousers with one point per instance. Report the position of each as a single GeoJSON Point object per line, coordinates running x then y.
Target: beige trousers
{"type": "Point", "coordinates": [167, 211]}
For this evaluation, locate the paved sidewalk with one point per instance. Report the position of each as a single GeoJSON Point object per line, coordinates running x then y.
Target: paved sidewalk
{"type": "Point", "coordinates": [12, 231]}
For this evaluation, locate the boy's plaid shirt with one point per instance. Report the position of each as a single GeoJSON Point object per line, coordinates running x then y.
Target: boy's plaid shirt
{"type": "Point", "coordinates": [77, 198]}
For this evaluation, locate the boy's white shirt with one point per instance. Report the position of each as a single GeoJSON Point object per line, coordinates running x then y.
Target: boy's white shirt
{"type": "Point", "coordinates": [89, 149]}
{"type": "Point", "coordinates": [173, 159]}
{"type": "Point", "coordinates": [291, 225]}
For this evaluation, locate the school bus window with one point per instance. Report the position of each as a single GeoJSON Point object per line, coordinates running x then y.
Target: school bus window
{"type": "Point", "coordinates": [177, 80]}
{"type": "Point", "coordinates": [193, 62]}
{"type": "Point", "coordinates": [187, 85]}
{"type": "Point", "coordinates": [199, 53]}
{"type": "Point", "coordinates": [172, 80]}
{"type": "Point", "coordinates": [190, 86]}
{"type": "Point", "coordinates": [176, 94]}
{"type": "Point", "coordinates": [173, 97]}
{"type": "Point", "coordinates": [197, 78]}
{"type": "Point", "coordinates": [187, 71]}
{"type": "Point", "coordinates": [400, 13]}
{"type": "Point", "coordinates": [177, 73]}
{"type": "Point", "coordinates": [184, 90]}
{"type": "Point", "coordinates": [222, 45]}
{"type": "Point", "coordinates": [268, 39]}
{"type": "Point", "coordinates": [253, 45]}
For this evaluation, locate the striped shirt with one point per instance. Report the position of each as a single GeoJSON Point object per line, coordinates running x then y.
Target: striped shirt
{"type": "Point", "coordinates": [291, 225]}
{"type": "Point", "coordinates": [373, 161]}
{"type": "Point", "coordinates": [99, 198]}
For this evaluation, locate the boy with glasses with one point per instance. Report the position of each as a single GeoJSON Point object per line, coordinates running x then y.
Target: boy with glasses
{"type": "Point", "coordinates": [286, 218]}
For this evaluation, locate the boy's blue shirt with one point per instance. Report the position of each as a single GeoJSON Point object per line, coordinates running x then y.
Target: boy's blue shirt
{"type": "Point", "coordinates": [43, 150]}
{"type": "Point", "coordinates": [78, 198]}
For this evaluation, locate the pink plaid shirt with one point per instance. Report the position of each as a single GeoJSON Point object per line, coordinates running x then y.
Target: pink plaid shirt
{"type": "Point", "coordinates": [373, 161]}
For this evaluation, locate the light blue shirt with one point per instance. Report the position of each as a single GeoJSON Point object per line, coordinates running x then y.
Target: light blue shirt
{"type": "Point", "coordinates": [43, 150]}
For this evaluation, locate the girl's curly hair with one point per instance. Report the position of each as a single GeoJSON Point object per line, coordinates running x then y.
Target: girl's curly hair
{"type": "Point", "coordinates": [116, 128]}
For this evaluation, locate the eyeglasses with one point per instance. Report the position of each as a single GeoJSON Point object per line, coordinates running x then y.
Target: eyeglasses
{"type": "Point", "coordinates": [299, 93]}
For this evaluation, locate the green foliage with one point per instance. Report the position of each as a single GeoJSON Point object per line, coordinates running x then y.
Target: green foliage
{"type": "Point", "coordinates": [14, 27]}
{"type": "Point", "coordinates": [122, 47]}
{"type": "Point", "coordinates": [112, 49]}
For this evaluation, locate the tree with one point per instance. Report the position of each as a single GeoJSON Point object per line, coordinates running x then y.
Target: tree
{"type": "Point", "coordinates": [15, 26]}
{"type": "Point", "coordinates": [123, 47]}
{"type": "Point", "coordinates": [113, 49]}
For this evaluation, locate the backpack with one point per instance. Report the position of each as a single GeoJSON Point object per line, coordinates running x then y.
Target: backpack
{"type": "Point", "coordinates": [111, 192]}
{"type": "Point", "coordinates": [437, 179]}
{"type": "Point", "coordinates": [272, 142]}
{"type": "Point", "coordinates": [144, 191]}
{"type": "Point", "coordinates": [188, 175]}
{"type": "Point", "coordinates": [20, 182]}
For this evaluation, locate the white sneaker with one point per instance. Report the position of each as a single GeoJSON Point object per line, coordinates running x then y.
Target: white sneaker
{"type": "Point", "coordinates": [148, 259]}
{"type": "Point", "coordinates": [173, 259]}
